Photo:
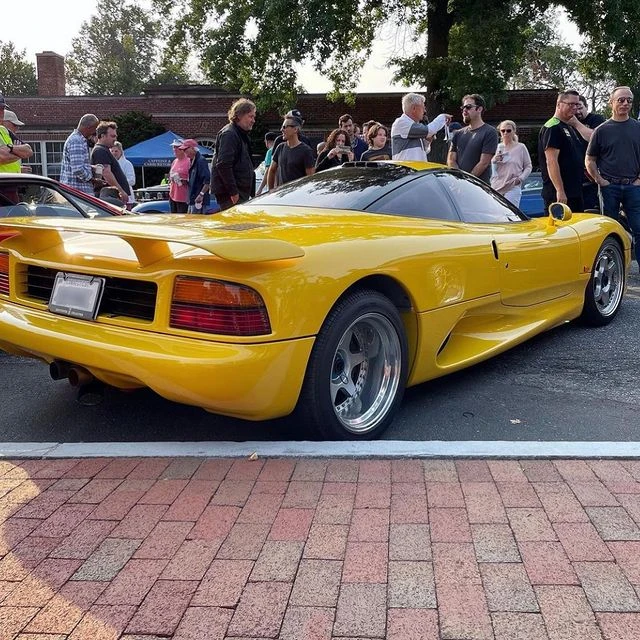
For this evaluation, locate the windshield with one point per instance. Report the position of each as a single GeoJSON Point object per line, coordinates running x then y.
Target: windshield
{"type": "Point", "coordinates": [352, 187]}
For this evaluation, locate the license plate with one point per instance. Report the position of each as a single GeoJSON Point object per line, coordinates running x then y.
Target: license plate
{"type": "Point", "coordinates": [77, 296]}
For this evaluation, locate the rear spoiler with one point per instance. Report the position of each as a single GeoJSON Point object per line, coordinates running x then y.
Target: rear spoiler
{"type": "Point", "coordinates": [150, 241]}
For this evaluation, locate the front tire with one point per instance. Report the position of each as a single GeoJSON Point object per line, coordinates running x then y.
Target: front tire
{"type": "Point", "coordinates": [357, 370]}
{"type": "Point", "coordinates": [604, 292]}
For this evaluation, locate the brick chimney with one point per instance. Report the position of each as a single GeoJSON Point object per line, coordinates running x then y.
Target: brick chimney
{"type": "Point", "coordinates": [51, 76]}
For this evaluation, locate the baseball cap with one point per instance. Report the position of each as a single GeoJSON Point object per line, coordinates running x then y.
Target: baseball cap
{"type": "Point", "coordinates": [176, 143]}
{"type": "Point", "coordinates": [189, 143]}
{"type": "Point", "coordinates": [11, 116]}
{"type": "Point", "coordinates": [294, 113]}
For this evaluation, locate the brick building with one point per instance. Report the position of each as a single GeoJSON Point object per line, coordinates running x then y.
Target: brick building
{"type": "Point", "coordinates": [199, 111]}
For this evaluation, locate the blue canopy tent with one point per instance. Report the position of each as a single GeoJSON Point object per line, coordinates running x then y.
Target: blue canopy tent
{"type": "Point", "coordinates": [156, 152]}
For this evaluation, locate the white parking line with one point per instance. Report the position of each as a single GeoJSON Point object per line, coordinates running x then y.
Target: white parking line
{"type": "Point", "coordinates": [305, 449]}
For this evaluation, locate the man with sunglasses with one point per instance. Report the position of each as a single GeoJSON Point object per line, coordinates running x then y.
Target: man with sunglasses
{"type": "Point", "coordinates": [561, 153]}
{"type": "Point", "coordinates": [472, 147]}
{"type": "Point", "coordinates": [613, 161]}
{"type": "Point", "coordinates": [292, 159]}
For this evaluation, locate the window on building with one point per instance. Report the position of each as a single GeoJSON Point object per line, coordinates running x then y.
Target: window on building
{"type": "Point", "coordinates": [46, 159]}
{"type": "Point", "coordinates": [35, 161]}
{"type": "Point", "coordinates": [54, 159]}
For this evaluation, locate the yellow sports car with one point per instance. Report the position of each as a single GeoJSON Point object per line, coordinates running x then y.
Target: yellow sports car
{"type": "Point", "coordinates": [327, 296]}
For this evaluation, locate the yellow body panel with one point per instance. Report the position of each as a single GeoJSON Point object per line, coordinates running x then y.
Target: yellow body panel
{"type": "Point", "coordinates": [466, 292]}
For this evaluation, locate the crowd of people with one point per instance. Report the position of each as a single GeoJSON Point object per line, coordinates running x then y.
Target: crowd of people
{"type": "Point", "coordinates": [586, 162]}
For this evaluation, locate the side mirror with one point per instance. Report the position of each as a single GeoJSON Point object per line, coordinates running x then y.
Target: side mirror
{"type": "Point", "coordinates": [559, 211]}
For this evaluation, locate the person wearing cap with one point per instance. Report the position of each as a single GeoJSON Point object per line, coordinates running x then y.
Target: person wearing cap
{"type": "Point", "coordinates": [199, 177]}
{"type": "Point", "coordinates": [232, 176]}
{"type": "Point", "coordinates": [292, 159]}
{"type": "Point", "coordinates": [295, 113]}
{"type": "Point", "coordinates": [76, 170]}
{"type": "Point", "coordinates": [179, 179]}
{"type": "Point", "coordinates": [12, 150]}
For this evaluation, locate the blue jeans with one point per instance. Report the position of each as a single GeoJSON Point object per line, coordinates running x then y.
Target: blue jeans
{"type": "Point", "coordinates": [627, 195]}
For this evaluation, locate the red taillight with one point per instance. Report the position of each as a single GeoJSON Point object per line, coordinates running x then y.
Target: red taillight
{"type": "Point", "coordinates": [4, 273]}
{"type": "Point", "coordinates": [215, 306]}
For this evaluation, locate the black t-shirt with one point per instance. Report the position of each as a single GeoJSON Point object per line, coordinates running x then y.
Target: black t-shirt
{"type": "Point", "coordinates": [101, 155]}
{"type": "Point", "coordinates": [593, 120]}
{"type": "Point", "coordinates": [616, 146]}
{"type": "Point", "coordinates": [293, 162]}
{"type": "Point", "coordinates": [301, 137]}
{"type": "Point", "coordinates": [372, 154]}
{"type": "Point", "coordinates": [556, 134]}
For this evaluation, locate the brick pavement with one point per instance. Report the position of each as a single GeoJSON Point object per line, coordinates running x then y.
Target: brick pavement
{"type": "Point", "coordinates": [193, 549]}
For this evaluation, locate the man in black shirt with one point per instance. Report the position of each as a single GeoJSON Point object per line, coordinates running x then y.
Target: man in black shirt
{"type": "Point", "coordinates": [561, 154]}
{"type": "Point", "coordinates": [613, 161]}
{"type": "Point", "coordinates": [292, 159]}
{"type": "Point", "coordinates": [591, 120]}
{"type": "Point", "coordinates": [233, 180]}
{"type": "Point", "coordinates": [106, 133]}
{"type": "Point", "coordinates": [295, 113]}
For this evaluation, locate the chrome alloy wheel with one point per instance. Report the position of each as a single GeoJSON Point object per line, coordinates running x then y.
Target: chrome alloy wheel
{"type": "Point", "coordinates": [366, 372]}
{"type": "Point", "coordinates": [608, 280]}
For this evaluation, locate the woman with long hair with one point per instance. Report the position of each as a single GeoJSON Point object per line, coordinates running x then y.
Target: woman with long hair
{"type": "Point", "coordinates": [337, 150]}
{"type": "Point", "coordinates": [511, 164]}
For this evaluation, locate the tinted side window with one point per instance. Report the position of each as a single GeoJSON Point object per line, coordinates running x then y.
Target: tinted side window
{"type": "Point", "coordinates": [475, 200]}
{"type": "Point", "coordinates": [420, 198]}
{"type": "Point", "coordinates": [33, 199]}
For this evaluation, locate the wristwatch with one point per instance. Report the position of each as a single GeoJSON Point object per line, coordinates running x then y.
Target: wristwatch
{"type": "Point", "coordinates": [10, 147]}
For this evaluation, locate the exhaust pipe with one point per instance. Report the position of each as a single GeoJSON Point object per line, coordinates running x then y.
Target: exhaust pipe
{"type": "Point", "coordinates": [59, 370]}
{"type": "Point", "coordinates": [79, 376]}
{"type": "Point", "coordinates": [91, 393]}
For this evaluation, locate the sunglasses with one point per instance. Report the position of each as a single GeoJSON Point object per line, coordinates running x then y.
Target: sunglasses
{"type": "Point", "coordinates": [506, 130]}
{"type": "Point", "coordinates": [624, 99]}
{"type": "Point", "coordinates": [465, 107]}
{"type": "Point", "coordinates": [286, 126]}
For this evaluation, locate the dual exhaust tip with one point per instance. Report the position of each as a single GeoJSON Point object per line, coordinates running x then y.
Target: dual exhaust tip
{"type": "Point", "coordinates": [90, 390]}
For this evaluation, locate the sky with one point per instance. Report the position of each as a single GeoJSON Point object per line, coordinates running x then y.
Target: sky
{"type": "Point", "coordinates": [54, 29]}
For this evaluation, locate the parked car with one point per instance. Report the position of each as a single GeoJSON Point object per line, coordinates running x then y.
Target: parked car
{"type": "Point", "coordinates": [327, 296]}
{"type": "Point", "coordinates": [156, 200]}
{"type": "Point", "coordinates": [531, 201]}
{"type": "Point", "coordinates": [30, 195]}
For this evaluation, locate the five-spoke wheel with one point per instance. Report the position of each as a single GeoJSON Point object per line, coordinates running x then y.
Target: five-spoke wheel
{"type": "Point", "coordinates": [358, 368]}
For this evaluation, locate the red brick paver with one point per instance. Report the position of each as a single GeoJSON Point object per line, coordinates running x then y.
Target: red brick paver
{"type": "Point", "coordinates": [286, 549]}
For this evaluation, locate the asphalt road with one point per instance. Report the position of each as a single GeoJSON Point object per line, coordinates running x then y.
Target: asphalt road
{"type": "Point", "coordinates": [572, 384]}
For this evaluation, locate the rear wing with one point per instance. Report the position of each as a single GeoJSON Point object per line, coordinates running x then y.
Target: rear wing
{"type": "Point", "coordinates": [149, 240]}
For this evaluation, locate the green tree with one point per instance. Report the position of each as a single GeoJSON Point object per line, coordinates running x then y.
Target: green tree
{"type": "Point", "coordinates": [18, 75]}
{"type": "Point", "coordinates": [466, 45]}
{"type": "Point", "coordinates": [136, 126]}
{"type": "Point", "coordinates": [115, 51]}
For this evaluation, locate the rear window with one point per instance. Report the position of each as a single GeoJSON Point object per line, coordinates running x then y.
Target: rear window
{"type": "Point", "coordinates": [352, 187]}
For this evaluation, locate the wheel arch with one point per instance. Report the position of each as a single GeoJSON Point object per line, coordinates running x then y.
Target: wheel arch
{"type": "Point", "coordinates": [400, 297]}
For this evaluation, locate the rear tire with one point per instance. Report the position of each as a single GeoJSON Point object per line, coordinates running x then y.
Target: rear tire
{"type": "Point", "coordinates": [357, 370]}
{"type": "Point", "coordinates": [604, 292]}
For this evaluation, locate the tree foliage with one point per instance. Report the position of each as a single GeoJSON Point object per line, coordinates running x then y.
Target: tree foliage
{"type": "Point", "coordinates": [136, 126]}
{"type": "Point", "coordinates": [465, 45]}
{"type": "Point", "coordinates": [18, 75]}
{"type": "Point", "coordinates": [116, 50]}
